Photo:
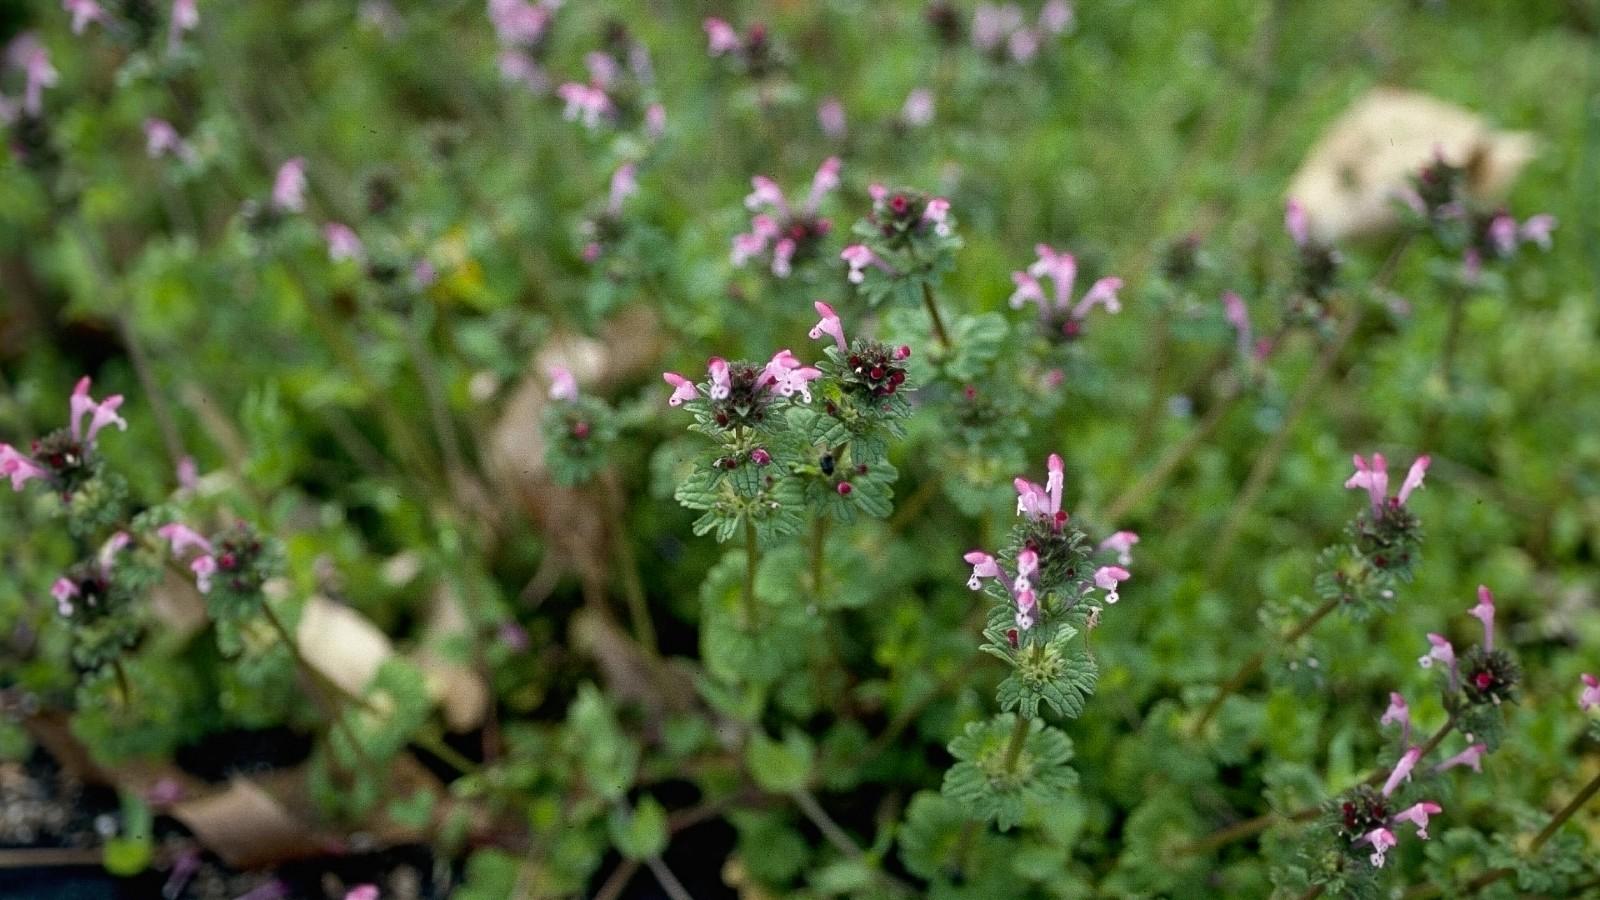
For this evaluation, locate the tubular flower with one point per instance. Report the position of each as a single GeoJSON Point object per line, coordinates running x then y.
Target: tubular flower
{"type": "Point", "coordinates": [562, 385]}
{"type": "Point", "coordinates": [1374, 479]}
{"type": "Point", "coordinates": [586, 103]}
{"type": "Point", "coordinates": [1057, 312]}
{"type": "Point", "coordinates": [161, 139]}
{"type": "Point", "coordinates": [1107, 578]}
{"type": "Point", "coordinates": [788, 376]}
{"type": "Point", "coordinates": [1121, 543]}
{"type": "Point", "coordinates": [1043, 502]}
{"type": "Point", "coordinates": [1589, 698]}
{"type": "Point", "coordinates": [19, 468]}
{"type": "Point", "coordinates": [1398, 712]}
{"type": "Point", "coordinates": [682, 388]}
{"type": "Point", "coordinates": [1296, 223]}
{"type": "Point", "coordinates": [101, 414]}
{"type": "Point", "coordinates": [1402, 770]}
{"type": "Point", "coordinates": [829, 325]}
{"type": "Point", "coordinates": [1484, 612]}
{"type": "Point", "coordinates": [1382, 840]}
{"type": "Point", "coordinates": [1417, 814]}
{"type": "Point", "coordinates": [343, 243]}
{"type": "Point", "coordinates": [859, 257]}
{"type": "Point", "coordinates": [289, 186]}
{"type": "Point", "coordinates": [1472, 756]}
{"type": "Point", "coordinates": [790, 234]}
{"type": "Point", "coordinates": [1441, 651]}
{"type": "Point", "coordinates": [83, 12]}
{"type": "Point", "coordinates": [983, 566]}
{"type": "Point", "coordinates": [182, 539]}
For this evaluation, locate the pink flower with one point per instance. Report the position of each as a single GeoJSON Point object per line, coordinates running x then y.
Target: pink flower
{"type": "Point", "coordinates": [1238, 315]}
{"type": "Point", "coordinates": [1062, 269]}
{"type": "Point", "coordinates": [1381, 839]}
{"type": "Point", "coordinates": [1398, 712]}
{"type": "Point", "coordinates": [183, 538]}
{"type": "Point", "coordinates": [1402, 770]}
{"type": "Point", "coordinates": [785, 375]}
{"type": "Point", "coordinates": [1295, 222]}
{"type": "Point", "coordinates": [682, 388]}
{"type": "Point", "coordinates": [1442, 651]}
{"type": "Point", "coordinates": [1043, 502]}
{"type": "Point", "coordinates": [1107, 577]}
{"type": "Point", "coordinates": [992, 25]}
{"type": "Point", "coordinates": [343, 243]}
{"type": "Point", "coordinates": [1503, 234]}
{"type": "Point", "coordinates": [100, 414]}
{"type": "Point", "coordinates": [859, 256]}
{"type": "Point", "coordinates": [1418, 815]}
{"type": "Point", "coordinates": [161, 139]}
{"type": "Point", "coordinates": [1537, 229]}
{"type": "Point", "coordinates": [721, 386]}
{"type": "Point", "coordinates": [1472, 756]}
{"type": "Point", "coordinates": [518, 22]}
{"type": "Point", "coordinates": [938, 212]}
{"type": "Point", "coordinates": [29, 55]}
{"type": "Point", "coordinates": [765, 192]}
{"type": "Point", "coordinates": [362, 892]}
{"type": "Point", "coordinates": [1026, 603]}
{"type": "Point", "coordinates": [830, 116]}
{"type": "Point", "coordinates": [918, 109]}
{"type": "Point", "coordinates": [517, 67]}
{"type": "Point", "coordinates": [1590, 696]}
{"type": "Point", "coordinates": [720, 37]}
{"type": "Point", "coordinates": [1027, 567]}
{"type": "Point", "coordinates": [289, 186]}
{"type": "Point", "coordinates": [109, 550]}
{"type": "Point", "coordinates": [825, 182]}
{"type": "Point", "coordinates": [624, 184]}
{"type": "Point", "coordinates": [585, 103]}
{"type": "Point", "coordinates": [185, 17]}
{"type": "Point", "coordinates": [1121, 543]}
{"type": "Point", "coordinates": [655, 121]}
{"type": "Point", "coordinates": [1484, 612]}
{"type": "Point", "coordinates": [1056, 16]}
{"type": "Point", "coordinates": [83, 12]}
{"type": "Point", "coordinates": [829, 325]}
{"type": "Point", "coordinates": [203, 567]}
{"type": "Point", "coordinates": [64, 590]}
{"type": "Point", "coordinates": [763, 229]}
{"type": "Point", "coordinates": [983, 566]}
{"type": "Point", "coordinates": [1374, 479]}
{"type": "Point", "coordinates": [562, 385]}
{"type": "Point", "coordinates": [19, 468]}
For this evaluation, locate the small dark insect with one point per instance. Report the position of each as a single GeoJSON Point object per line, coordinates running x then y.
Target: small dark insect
{"type": "Point", "coordinates": [826, 463]}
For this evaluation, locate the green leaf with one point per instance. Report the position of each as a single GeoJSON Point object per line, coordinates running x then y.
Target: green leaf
{"type": "Point", "coordinates": [780, 767]}
{"type": "Point", "coordinates": [641, 833]}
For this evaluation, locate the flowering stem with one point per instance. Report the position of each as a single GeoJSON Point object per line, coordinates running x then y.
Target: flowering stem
{"type": "Point", "coordinates": [752, 558]}
{"type": "Point", "coordinates": [1254, 663]}
{"type": "Point", "coordinates": [1019, 737]}
{"type": "Point", "coordinates": [1251, 827]}
{"type": "Point", "coordinates": [819, 539]}
{"type": "Point", "coordinates": [933, 314]}
{"type": "Point", "coordinates": [1266, 464]}
{"type": "Point", "coordinates": [122, 682]}
{"type": "Point", "coordinates": [330, 710]}
{"type": "Point", "coordinates": [1584, 796]}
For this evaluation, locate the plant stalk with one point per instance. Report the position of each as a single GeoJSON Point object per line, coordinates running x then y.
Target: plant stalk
{"type": "Point", "coordinates": [1253, 664]}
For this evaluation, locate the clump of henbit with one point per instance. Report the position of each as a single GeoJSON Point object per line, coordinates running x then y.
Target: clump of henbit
{"type": "Point", "coordinates": [1387, 533]}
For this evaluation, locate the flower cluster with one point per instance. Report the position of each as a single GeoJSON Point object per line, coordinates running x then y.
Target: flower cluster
{"type": "Point", "coordinates": [99, 600]}
{"type": "Point", "coordinates": [620, 90]}
{"type": "Point", "coordinates": [907, 242]}
{"type": "Point", "coordinates": [1478, 681]}
{"type": "Point", "coordinates": [752, 53]}
{"type": "Point", "coordinates": [789, 235]}
{"type": "Point", "coordinates": [578, 430]}
{"type": "Point", "coordinates": [1059, 317]}
{"type": "Point", "coordinates": [521, 28]}
{"type": "Point", "coordinates": [1049, 559]}
{"type": "Point", "coordinates": [1438, 201]}
{"type": "Point", "coordinates": [1317, 266]}
{"type": "Point", "coordinates": [1001, 30]}
{"type": "Point", "coordinates": [230, 568]}
{"type": "Point", "coordinates": [66, 458]}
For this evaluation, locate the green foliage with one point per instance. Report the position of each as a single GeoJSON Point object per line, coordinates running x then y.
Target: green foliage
{"type": "Point", "coordinates": [992, 781]}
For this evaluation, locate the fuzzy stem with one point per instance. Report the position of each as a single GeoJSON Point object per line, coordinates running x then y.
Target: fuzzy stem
{"type": "Point", "coordinates": [123, 691]}
{"type": "Point", "coordinates": [1253, 664]}
{"type": "Point", "coordinates": [1266, 464]}
{"type": "Point", "coordinates": [329, 709]}
{"type": "Point", "coordinates": [819, 539]}
{"type": "Point", "coordinates": [644, 628]}
{"type": "Point", "coordinates": [1584, 796]}
{"type": "Point", "coordinates": [1019, 737]}
{"type": "Point", "coordinates": [933, 314]}
{"type": "Point", "coordinates": [752, 559]}
{"type": "Point", "coordinates": [1251, 827]}
{"type": "Point", "coordinates": [669, 882]}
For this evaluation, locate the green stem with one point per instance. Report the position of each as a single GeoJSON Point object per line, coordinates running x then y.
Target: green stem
{"type": "Point", "coordinates": [1253, 664]}
{"type": "Point", "coordinates": [329, 709]}
{"type": "Point", "coordinates": [1584, 796]}
{"type": "Point", "coordinates": [752, 559]}
{"type": "Point", "coordinates": [819, 539]}
{"type": "Point", "coordinates": [1019, 737]}
{"type": "Point", "coordinates": [933, 314]}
